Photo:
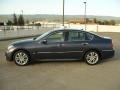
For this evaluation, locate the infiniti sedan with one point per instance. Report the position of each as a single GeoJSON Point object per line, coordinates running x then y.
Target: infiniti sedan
{"type": "Point", "coordinates": [61, 44]}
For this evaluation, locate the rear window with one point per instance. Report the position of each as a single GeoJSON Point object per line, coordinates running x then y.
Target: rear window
{"type": "Point", "coordinates": [89, 36]}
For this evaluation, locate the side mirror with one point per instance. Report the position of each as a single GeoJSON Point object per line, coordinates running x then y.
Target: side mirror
{"type": "Point", "coordinates": [34, 38]}
{"type": "Point", "coordinates": [44, 41]}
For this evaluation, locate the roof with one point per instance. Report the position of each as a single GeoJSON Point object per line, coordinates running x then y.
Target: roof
{"type": "Point", "coordinates": [70, 29]}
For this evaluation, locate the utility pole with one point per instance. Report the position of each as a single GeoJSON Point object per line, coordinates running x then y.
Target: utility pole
{"type": "Point", "coordinates": [63, 12]}
{"type": "Point", "coordinates": [85, 15]}
{"type": "Point", "coordinates": [22, 12]}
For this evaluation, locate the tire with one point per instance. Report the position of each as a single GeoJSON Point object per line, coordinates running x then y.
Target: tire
{"type": "Point", "coordinates": [92, 57]}
{"type": "Point", "coordinates": [21, 58]}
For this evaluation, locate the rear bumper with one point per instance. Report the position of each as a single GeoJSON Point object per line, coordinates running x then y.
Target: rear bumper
{"type": "Point", "coordinates": [107, 54]}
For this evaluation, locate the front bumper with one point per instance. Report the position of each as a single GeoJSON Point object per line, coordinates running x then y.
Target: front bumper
{"type": "Point", "coordinates": [8, 56]}
{"type": "Point", "coordinates": [107, 54]}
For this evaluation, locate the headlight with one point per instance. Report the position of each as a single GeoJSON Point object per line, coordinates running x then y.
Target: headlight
{"type": "Point", "coordinates": [10, 47]}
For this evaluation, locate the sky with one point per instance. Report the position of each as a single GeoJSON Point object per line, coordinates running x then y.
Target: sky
{"type": "Point", "coordinates": [72, 7]}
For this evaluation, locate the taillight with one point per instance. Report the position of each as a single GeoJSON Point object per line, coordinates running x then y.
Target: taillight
{"type": "Point", "coordinates": [112, 46]}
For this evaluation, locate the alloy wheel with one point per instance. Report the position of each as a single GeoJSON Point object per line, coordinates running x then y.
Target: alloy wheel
{"type": "Point", "coordinates": [92, 57]}
{"type": "Point", "coordinates": [21, 58]}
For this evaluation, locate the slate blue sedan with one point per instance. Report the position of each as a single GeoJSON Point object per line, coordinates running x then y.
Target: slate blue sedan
{"type": "Point", "coordinates": [61, 44]}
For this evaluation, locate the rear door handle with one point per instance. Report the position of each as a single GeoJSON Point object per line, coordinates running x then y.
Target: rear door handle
{"type": "Point", "coordinates": [59, 45]}
{"type": "Point", "coordinates": [84, 43]}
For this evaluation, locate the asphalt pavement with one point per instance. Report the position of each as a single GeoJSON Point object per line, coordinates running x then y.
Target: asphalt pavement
{"type": "Point", "coordinates": [62, 75]}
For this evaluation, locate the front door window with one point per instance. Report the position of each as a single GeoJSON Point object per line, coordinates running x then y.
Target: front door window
{"type": "Point", "coordinates": [56, 37]}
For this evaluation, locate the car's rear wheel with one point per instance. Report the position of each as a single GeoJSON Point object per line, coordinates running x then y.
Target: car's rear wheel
{"type": "Point", "coordinates": [92, 57]}
{"type": "Point", "coordinates": [21, 58]}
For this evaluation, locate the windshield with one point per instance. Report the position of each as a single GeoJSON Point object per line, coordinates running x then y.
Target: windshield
{"type": "Point", "coordinates": [43, 35]}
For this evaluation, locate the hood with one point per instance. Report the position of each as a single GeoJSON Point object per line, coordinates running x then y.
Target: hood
{"type": "Point", "coordinates": [23, 42]}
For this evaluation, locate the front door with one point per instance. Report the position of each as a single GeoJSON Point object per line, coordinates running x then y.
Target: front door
{"type": "Point", "coordinates": [51, 46]}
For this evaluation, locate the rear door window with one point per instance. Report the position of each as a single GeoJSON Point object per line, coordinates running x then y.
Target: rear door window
{"type": "Point", "coordinates": [76, 36]}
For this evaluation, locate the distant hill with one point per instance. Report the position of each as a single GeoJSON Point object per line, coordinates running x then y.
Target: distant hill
{"type": "Point", "coordinates": [58, 18]}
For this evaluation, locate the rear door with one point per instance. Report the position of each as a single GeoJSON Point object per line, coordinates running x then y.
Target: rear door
{"type": "Point", "coordinates": [76, 44]}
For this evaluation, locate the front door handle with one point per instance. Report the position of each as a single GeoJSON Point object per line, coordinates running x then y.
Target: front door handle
{"type": "Point", "coordinates": [62, 44]}
{"type": "Point", "coordinates": [84, 43]}
{"type": "Point", "coordinates": [58, 45]}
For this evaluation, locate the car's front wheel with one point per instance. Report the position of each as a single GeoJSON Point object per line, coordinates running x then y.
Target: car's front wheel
{"type": "Point", "coordinates": [21, 58]}
{"type": "Point", "coordinates": [92, 57]}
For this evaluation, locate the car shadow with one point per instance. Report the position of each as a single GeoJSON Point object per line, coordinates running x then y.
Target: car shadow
{"type": "Point", "coordinates": [54, 61]}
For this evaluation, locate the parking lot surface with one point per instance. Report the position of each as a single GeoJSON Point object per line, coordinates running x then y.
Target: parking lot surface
{"type": "Point", "coordinates": [62, 75]}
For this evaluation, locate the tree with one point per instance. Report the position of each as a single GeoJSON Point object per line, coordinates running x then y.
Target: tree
{"type": "Point", "coordinates": [105, 22]}
{"type": "Point", "coordinates": [15, 22]}
{"type": "Point", "coordinates": [100, 22]}
{"type": "Point", "coordinates": [27, 22]}
{"type": "Point", "coordinates": [112, 22]}
{"type": "Point", "coordinates": [9, 23]}
{"type": "Point", "coordinates": [87, 20]}
{"type": "Point", "coordinates": [95, 20]}
{"type": "Point", "coordinates": [21, 20]}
